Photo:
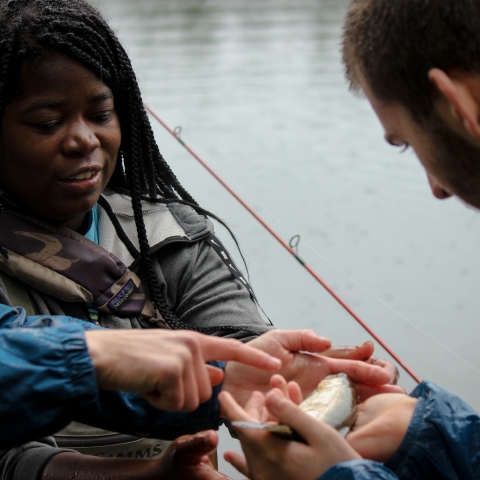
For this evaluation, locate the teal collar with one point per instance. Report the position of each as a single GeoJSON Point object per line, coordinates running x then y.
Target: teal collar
{"type": "Point", "coordinates": [92, 230]}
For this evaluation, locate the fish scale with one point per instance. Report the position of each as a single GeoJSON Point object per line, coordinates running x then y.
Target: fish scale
{"type": "Point", "coordinates": [334, 402]}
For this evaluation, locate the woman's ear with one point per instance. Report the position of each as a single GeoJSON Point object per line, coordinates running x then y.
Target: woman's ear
{"type": "Point", "coordinates": [461, 95]}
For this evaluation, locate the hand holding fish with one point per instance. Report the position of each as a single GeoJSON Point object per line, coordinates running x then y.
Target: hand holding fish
{"type": "Point", "coordinates": [381, 425]}
{"type": "Point", "coordinates": [270, 457]}
{"type": "Point", "coordinates": [306, 369]}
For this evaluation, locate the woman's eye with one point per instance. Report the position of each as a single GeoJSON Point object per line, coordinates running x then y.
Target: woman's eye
{"type": "Point", "coordinates": [102, 117]}
{"type": "Point", "coordinates": [46, 126]}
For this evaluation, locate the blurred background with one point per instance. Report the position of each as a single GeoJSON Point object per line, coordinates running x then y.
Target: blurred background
{"type": "Point", "coordinates": [259, 92]}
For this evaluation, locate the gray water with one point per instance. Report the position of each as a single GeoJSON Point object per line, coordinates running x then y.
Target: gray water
{"type": "Point", "coordinates": [259, 91]}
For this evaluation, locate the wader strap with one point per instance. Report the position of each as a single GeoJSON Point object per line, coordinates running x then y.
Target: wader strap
{"type": "Point", "coordinates": [222, 252]}
{"type": "Point", "coordinates": [17, 293]}
{"type": "Point", "coordinates": [62, 263]}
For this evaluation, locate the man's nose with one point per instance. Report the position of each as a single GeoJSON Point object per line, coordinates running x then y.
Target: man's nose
{"type": "Point", "coordinates": [437, 190]}
{"type": "Point", "coordinates": [80, 139]}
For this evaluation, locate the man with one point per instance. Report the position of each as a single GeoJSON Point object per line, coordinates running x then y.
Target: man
{"type": "Point", "coordinates": [418, 64]}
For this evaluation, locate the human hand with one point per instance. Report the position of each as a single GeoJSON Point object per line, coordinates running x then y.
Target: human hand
{"type": "Point", "coordinates": [380, 425]}
{"type": "Point", "coordinates": [188, 458]}
{"type": "Point", "coordinates": [364, 352]}
{"type": "Point", "coordinates": [270, 457]}
{"type": "Point", "coordinates": [304, 368]}
{"type": "Point", "coordinates": [167, 367]}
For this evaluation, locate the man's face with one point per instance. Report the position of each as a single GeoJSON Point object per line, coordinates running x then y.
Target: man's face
{"type": "Point", "coordinates": [446, 172]}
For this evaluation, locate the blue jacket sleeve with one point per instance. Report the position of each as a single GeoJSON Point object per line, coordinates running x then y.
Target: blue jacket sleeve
{"type": "Point", "coordinates": [44, 374]}
{"type": "Point", "coordinates": [129, 413]}
{"type": "Point", "coordinates": [358, 470]}
{"type": "Point", "coordinates": [53, 348]}
{"type": "Point", "coordinates": [443, 439]}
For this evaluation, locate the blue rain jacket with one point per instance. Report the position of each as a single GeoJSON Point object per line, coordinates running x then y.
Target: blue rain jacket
{"type": "Point", "coordinates": [442, 442]}
{"type": "Point", "coordinates": [47, 380]}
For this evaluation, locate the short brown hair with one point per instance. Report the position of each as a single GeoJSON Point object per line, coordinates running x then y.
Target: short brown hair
{"type": "Point", "coordinates": [394, 43]}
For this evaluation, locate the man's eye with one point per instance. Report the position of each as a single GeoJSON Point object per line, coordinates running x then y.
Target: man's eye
{"type": "Point", "coordinates": [402, 146]}
{"type": "Point", "coordinates": [391, 140]}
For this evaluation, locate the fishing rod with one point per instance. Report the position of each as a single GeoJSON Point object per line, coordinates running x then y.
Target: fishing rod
{"type": "Point", "coordinates": [176, 134]}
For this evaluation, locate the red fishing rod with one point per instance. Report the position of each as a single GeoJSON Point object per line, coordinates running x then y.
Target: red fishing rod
{"type": "Point", "coordinates": [176, 133]}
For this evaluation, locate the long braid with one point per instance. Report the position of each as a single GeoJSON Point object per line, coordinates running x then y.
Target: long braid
{"type": "Point", "coordinates": [30, 28]}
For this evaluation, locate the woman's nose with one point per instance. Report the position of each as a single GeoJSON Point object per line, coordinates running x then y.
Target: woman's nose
{"type": "Point", "coordinates": [80, 139]}
{"type": "Point", "coordinates": [437, 190]}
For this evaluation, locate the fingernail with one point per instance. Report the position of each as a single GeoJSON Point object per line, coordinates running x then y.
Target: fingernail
{"type": "Point", "coordinates": [275, 403]}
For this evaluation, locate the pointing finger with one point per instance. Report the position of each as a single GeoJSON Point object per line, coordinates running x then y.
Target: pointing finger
{"type": "Point", "coordinates": [214, 348]}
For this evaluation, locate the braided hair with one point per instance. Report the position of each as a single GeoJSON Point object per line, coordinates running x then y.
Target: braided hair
{"type": "Point", "coordinates": [32, 28]}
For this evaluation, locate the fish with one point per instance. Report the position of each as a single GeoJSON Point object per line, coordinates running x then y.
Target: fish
{"type": "Point", "coordinates": [334, 402]}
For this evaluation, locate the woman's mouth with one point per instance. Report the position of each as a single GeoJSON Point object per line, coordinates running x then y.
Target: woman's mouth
{"type": "Point", "coordinates": [83, 176]}
{"type": "Point", "coordinates": [83, 183]}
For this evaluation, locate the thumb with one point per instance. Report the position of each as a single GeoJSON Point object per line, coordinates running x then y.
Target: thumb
{"type": "Point", "coordinates": [190, 449]}
{"type": "Point", "coordinates": [216, 375]}
{"type": "Point", "coordinates": [311, 430]}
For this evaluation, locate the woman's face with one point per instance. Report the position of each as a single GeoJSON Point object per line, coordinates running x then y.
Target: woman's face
{"type": "Point", "coordinates": [59, 140]}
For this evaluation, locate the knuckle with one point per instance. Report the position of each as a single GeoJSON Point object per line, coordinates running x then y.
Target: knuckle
{"type": "Point", "coordinates": [191, 340]}
{"type": "Point", "coordinates": [173, 400]}
{"type": "Point", "coordinates": [174, 370]}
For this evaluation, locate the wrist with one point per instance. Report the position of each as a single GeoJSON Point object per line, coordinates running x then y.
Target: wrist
{"type": "Point", "coordinates": [96, 351]}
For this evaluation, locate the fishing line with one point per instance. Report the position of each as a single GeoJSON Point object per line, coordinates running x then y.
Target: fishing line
{"type": "Point", "coordinates": [294, 244]}
{"type": "Point", "coordinates": [176, 133]}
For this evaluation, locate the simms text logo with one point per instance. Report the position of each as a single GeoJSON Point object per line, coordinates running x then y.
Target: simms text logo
{"type": "Point", "coordinates": [139, 454]}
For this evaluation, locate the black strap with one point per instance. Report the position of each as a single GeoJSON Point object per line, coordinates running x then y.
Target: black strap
{"type": "Point", "coordinates": [222, 252]}
{"type": "Point", "coordinates": [118, 228]}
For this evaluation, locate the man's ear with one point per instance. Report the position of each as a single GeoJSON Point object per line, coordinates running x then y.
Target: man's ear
{"type": "Point", "coordinates": [461, 98]}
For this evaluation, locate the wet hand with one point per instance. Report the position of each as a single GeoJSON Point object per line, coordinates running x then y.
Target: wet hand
{"type": "Point", "coordinates": [381, 425]}
{"type": "Point", "coordinates": [307, 369]}
{"type": "Point", "coordinates": [187, 458]}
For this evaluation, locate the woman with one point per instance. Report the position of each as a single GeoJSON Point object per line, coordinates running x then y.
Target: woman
{"type": "Point", "coordinates": [77, 152]}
